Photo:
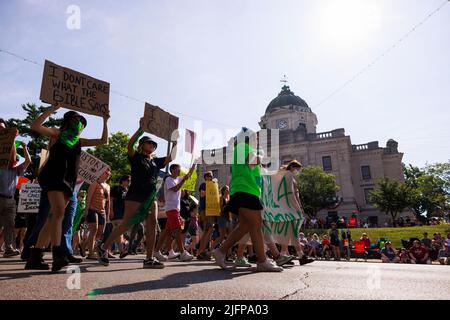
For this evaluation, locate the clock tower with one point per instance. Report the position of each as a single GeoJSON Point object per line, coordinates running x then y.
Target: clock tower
{"type": "Point", "coordinates": [288, 112]}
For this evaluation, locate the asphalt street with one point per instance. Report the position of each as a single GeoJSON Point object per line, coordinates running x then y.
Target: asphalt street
{"type": "Point", "coordinates": [198, 280]}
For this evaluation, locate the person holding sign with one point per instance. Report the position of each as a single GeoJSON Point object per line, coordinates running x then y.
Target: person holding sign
{"type": "Point", "coordinates": [140, 202]}
{"type": "Point", "coordinates": [207, 221]}
{"type": "Point", "coordinates": [8, 182]}
{"type": "Point", "coordinates": [172, 195]}
{"type": "Point", "coordinates": [245, 191]}
{"type": "Point", "coordinates": [58, 178]}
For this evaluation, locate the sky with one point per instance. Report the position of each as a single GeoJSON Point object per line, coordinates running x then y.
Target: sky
{"type": "Point", "coordinates": [217, 64]}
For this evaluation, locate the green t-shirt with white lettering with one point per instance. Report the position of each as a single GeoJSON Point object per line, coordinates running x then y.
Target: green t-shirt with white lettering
{"type": "Point", "coordinates": [243, 177]}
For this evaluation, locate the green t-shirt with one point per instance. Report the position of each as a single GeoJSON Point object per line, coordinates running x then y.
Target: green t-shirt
{"type": "Point", "coordinates": [243, 177]}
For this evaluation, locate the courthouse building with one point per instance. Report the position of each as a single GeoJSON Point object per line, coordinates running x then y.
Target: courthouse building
{"type": "Point", "coordinates": [356, 167]}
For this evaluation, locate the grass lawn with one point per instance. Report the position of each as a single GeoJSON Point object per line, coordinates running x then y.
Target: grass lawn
{"type": "Point", "coordinates": [393, 234]}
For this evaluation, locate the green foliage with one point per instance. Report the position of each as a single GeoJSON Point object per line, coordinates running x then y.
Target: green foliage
{"type": "Point", "coordinates": [433, 185]}
{"type": "Point", "coordinates": [392, 197]}
{"type": "Point", "coordinates": [317, 189]}
{"type": "Point", "coordinates": [37, 141]}
{"type": "Point", "coordinates": [115, 155]}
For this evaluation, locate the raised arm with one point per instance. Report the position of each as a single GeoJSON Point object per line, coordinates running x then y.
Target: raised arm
{"type": "Point", "coordinates": [37, 124]}
{"type": "Point", "coordinates": [102, 140]}
{"type": "Point", "coordinates": [183, 180]}
{"type": "Point", "coordinates": [27, 158]}
{"type": "Point", "coordinates": [134, 138]}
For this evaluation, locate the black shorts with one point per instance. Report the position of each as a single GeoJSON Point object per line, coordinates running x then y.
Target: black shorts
{"type": "Point", "coordinates": [335, 242]}
{"type": "Point", "coordinates": [93, 217]}
{"type": "Point", "coordinates": [162, 223]}
{"type": "Point", "coordinates": [244, 200]}
{"type": "Point", "coordinates": [20, 222]}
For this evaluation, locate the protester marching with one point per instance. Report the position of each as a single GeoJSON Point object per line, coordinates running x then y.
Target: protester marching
{"type": "Point", "coordinates": [156, 213]}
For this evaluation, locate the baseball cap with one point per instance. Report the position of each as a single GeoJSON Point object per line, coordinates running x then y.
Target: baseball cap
{"type": "Point", "coordinates": [145, 139]}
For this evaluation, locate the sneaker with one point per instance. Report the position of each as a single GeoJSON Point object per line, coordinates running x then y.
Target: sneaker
{"type": "Point", "coordinates": [305, 260]}
{"type": "Point", "coordinates": [123, 254]}
{"type": "Point", "coordinates": [186, 256]}
{"type": "Point", "coordinates": [173, 255]}
{"type": "Point", "coordinates": [73, 259]}
{"type": "Point", "coordinates": [242, 262]}
{"type": "Point", "coordinates": [219, 258]}
{"type": "Point", "coordinates": [110, 256]}
{"type": "Point", "coordinates": [282, 260]}
{"type": "Point", "coordinates": [102, 255]}
{"type": "Point", "coordinates": [160, 256]}
{"type": "Point", "coordinates": [204, 256]}
{"type": "Point", "coordinates": [153, 263]}
{"type": "Point", "coordinates": [11, 253]}
{"type": "Point", "coordinates": [267, 266]}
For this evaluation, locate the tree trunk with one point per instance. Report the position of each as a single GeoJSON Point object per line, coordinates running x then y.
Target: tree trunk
{"type": "Point", "coordinates": [394, 216]}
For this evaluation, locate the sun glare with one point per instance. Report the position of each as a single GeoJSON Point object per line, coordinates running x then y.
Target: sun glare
{"type": "Point", "coordinates": [346, 22]}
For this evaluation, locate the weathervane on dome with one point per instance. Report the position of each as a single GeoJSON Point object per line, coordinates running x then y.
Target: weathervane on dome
{"type": "Point", "coordinates": [284, 80]}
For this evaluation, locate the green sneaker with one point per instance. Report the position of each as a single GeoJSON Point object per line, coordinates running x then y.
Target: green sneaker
{"type": "Point", "coordinates": [282, 260]}
{"type": "Point", "coordinates": [242, 262]}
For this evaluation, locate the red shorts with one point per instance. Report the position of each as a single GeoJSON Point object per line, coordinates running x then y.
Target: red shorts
{"type": "Point", "coordinates": [173, 220]}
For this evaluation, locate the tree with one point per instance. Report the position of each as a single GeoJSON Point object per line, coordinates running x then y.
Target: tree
{"type": "Point", "coordinates": [115, 155]}
{"type": "Point", "coordinates": [392, 197]}
{"type": "Point", "coordinates": [441, 171]}
{"type": "Point", "coordinates": [37, 142]}
{"type": "Point", "coordinates": [432, 185]}
{"type": "Point", "coordinates": [317, 189]}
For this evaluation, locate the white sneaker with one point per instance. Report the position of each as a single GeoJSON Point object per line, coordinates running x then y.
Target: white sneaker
{"type": "Point", "coordinates": [267, 266]}
{"type": "Point", "coordinates": [160, 256]}
{"type": "Point", "coordinates": [219, 257]}
{"type": "Point", "coordinates": [186, 256]}
{"type": "Point", "coordinates": [173, 255]}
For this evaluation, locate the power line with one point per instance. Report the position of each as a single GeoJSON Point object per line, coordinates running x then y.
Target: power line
{"type": "Point", "coordinates": [382, 55]}
{"type": "Point", "coordinates": [121, 94]}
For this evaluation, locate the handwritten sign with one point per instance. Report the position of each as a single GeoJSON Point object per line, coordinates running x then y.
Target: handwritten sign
{"type": "Point", "coordinates": [91, 168]}
{"type": "Point", "coordinates": [190, 183]}
{"type": "Point", "coordinates": [159, 122]}
{"type": "Point", "coordinates": [283, 213]}
{"type": "Point", "coordinates": [74, 90]}
{"type": "Point", "coordinates": [212, 199]}
{"type": "Point", "coordinates": [29, 198]}
{"type": "Point", "coordinates": [7, 137]}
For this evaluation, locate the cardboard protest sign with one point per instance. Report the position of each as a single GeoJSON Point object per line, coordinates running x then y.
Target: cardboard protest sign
{"type": "Point", "coordinates": [29, 198]}
{"type": "Point", "coordinates": [159, 122]}
{"type": "Point", "coordinates": [74, 90]}
{"type": "Point", "coordinates": [282, 214]}
{"type": "Point", "coordinates": [190, 141]}
{"type": "Point", "coordinates": [91, 168]}
{"type": "Point", "coordinates": [212, 199]}
{"type": "Point", "coordinates": [189, 184]}
{"type": "Point", "coordinates": [7, 137]}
